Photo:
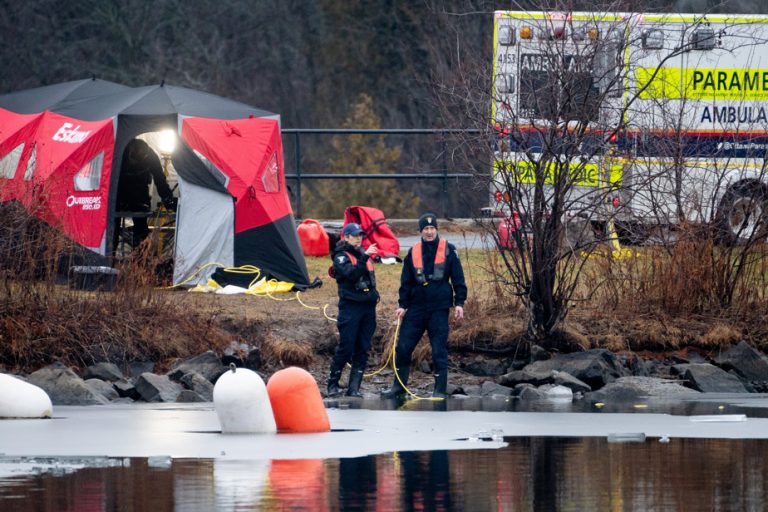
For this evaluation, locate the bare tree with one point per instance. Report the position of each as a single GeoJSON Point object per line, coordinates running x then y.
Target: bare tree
{"type": "Point", "coordinates": [573, 98]}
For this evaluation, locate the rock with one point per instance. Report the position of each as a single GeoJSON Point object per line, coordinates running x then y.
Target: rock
{"type": "Point", "coordinates": [745, 360]}
{"type": "Point", "coordinates": [708, 378]}
{"type": "Point", "coordinates": [200, 385]}
{"type": "Point", "coordinates": [539, 354]}
{"type": "Point", "coordinates": [102, 388]}
{"type": "Point", "coordinates": [596, 367]}
{"type": "Point", "coordinates": [570, 382]}
{"type": "Point", "coordinates": [490, 388]}
{"type": "Point", "coordinates": [253, 360]}
{"type": "Point", "coordinates": [126, 389]}
{"type": "Point", "coordinates": [157, 388]}
{"type": "Point", "coordinates": [206, 364]}
{"type": "Point", "coordinates": [189, 396]}
{"type": "Point", "coordinates": [103, 371]}
{"type": "Point", "coordinates": [632, 388]}
{"type": "Point", "coordinates": [136, 368]}
{"type": "Point", "coordinates": [528, 375]}
{"type": "Point", "coordinates": [64, 387]}
{"type": "Point", "coordinates": [638, 366]}
{"type": "Point", "coordinates": [527, 392]}
{"type": "Point", "coordinates": [472, 389]}
{"type": "Point", "coordinates": [482, 367]}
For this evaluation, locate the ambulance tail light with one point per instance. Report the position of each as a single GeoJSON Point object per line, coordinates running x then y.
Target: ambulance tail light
{"type": "Point", "coordinates": [616, 202]}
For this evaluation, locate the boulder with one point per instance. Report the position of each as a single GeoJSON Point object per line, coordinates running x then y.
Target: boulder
{"type": "Point", "coordinates": [527, 392]}
{"type": "Point", "coordinates": [201, 386]}
{"type": "Point", "coordinates": [64, 387]}
{"type": "Point", "coordinates": [482, 367]}
{"type": "Point", "coordinates": [206, 364]}
{"type": "Point", "coordinates": [570, 382]}
{"type": "Point", "coordinates": [126, 389]}
{"type": "Point", "coordinates": [102, 388]}
{"type": "Point", "coordinates": [189, 396]}
{"type": "Point", "coordinates": [157, 388]}
{"type": "Point", "coordinates": [490, 388]}
{"type": "Point", "coordinates": [528, 375]}
{"type": "Point", "coordinates": [745, 360]}
{"type": "Point", "coordinates": [708, 378]}
{"type": "Point", "coordinates": [596, 367]}
{"type": "Point", "coordinates": [103, 371]}
{"type": "Point", "coordinates": [632, 388]}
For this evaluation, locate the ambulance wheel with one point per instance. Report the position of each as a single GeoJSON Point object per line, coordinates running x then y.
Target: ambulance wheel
{"type": "Point", "coordinates": [742, 215]}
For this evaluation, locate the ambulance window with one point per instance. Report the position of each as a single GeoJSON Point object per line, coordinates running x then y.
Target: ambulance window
{"type": "Point", "coordinates": [10, 162]}
{"type": "Point", "coordinates": [29, 171]}
{"type": "Point", "coordinates": [271, 177]}
{"type": "Point", "coordinates": [89, 177]}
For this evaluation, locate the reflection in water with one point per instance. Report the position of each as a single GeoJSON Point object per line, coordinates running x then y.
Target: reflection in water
{"type": "Point", "coordinates": [529, 474]}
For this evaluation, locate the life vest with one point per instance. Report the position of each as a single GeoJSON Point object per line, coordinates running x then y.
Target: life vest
{"type": "Point", "coordinates": [438, 272]}
{"type": "Point", "coordinates": [361, 280]}
{"type": "Point", "coordinates": [374, 223]}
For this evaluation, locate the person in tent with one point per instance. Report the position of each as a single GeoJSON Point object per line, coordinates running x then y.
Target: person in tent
{"type": "Point", "coordinates": [431, 282]}
{"type": "Point", "coordinates": [139, 168]}
{"type": "Point", "coordinates": [356, 280]}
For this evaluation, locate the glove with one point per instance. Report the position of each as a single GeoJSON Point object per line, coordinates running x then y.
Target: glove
{"type": "Point", "coordinates": [171, 204]}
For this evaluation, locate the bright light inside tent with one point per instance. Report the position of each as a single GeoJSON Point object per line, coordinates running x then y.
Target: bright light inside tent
{"type": "Point", "coordinates": [167, 141]}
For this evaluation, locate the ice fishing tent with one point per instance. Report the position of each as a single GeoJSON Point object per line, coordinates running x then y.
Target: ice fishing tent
{"type": "Point", "coordinates": [60, 150]}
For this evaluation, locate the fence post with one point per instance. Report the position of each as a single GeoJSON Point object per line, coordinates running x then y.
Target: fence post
{"type": "Point", "coordinates": [445, 178]}
{"type": "Point", "coordinates": [297, 155]}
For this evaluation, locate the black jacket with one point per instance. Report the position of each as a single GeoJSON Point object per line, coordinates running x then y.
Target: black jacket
{"type": "Point", "coordinates": [139, 167]}
{"type": "Point", "coordinates": [353, 280]}
{"type": "Point", "coordinates": [450, 291]}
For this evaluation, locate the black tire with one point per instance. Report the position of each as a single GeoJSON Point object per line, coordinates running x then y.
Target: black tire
{"type": "Point", "coordinates": [742, 216]}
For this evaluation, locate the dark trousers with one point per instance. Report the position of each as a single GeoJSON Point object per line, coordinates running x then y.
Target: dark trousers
{"type": "Point", "coordinates": [415, 322]}
{"type": "Point", "coordinates": [356, 323]}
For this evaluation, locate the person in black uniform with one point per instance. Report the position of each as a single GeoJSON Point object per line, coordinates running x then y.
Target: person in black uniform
{"type": "Point", "coordinates": [431, 282]}
{"type": "Point", "coordinates": [353, 271]}
{"type": "Point", "coordinates": [139, 167]}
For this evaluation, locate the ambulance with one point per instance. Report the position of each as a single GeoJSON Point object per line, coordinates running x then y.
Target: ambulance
{"type": "Point", "coordinates": [661, 118]}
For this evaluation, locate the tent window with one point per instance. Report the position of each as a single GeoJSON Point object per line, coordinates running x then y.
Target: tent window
{"type": "Point", "coordinates": [30, 165]}
{"type": "Point", "coordinates": [10, 162]}
{"type": "Point", "coordinates": [89, 177]}
{"type": "Point", "coordinates": [271, 177]}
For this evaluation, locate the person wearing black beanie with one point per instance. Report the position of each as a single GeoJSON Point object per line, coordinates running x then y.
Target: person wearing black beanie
{"type": "Point", "coordinates": [431, 282]}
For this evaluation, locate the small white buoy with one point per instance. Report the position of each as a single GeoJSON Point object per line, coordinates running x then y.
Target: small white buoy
{"type": "Point", "coordinates": [559, 394]}
{"type": "Point", "coordinates": [19, 399]}
{"type": "Point", "coordinates": [242, 404]}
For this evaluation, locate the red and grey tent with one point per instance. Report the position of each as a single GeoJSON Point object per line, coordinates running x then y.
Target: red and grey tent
{"type": "Point", "coordinates": [60, 150]}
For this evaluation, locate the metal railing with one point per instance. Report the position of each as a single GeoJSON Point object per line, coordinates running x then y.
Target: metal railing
{"type": "Point", "coordinates": [440, 174]}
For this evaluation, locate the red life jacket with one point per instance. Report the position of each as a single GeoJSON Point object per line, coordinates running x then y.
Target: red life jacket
{"type": "Point", "coordinates": [377, 231]}
{"type": "Point", "coordinates": [439, 269]}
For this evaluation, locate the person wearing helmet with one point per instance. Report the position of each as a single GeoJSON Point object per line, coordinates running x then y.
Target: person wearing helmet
{"type": "Point", "coordinates": [356, 280]}
{"type": "Point", "coordinates": [431, 282]}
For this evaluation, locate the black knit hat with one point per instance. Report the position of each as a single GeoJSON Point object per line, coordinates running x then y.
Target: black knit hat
{"type": "Point", "coordinates": [428, 219]}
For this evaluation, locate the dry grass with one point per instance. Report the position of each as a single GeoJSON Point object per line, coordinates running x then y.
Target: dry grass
{"type": "Point", "coordinates": [658, 301]}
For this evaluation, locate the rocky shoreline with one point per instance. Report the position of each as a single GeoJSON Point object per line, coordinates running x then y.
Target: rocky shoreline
{"type": "Point", "coordinates": [596, 375]}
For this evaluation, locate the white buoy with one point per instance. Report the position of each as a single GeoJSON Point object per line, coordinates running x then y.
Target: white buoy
{"type": "Point", "coordinates": [242, 404]}
{"type": "Point", "coordinates": [19, 399]}
{"type": "Point", "coordinates": [559, 394]}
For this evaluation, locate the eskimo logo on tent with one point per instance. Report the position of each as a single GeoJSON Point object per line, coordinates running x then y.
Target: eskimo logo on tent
{"type": "Point", "coordinates": [86, 203]}
{"type": "Point", "coordinates": [69, 133]}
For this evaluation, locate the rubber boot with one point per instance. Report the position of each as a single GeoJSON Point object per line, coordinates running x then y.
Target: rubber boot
{"type": "Point", "coordinates": [355, 379]}
{"type": "Point", "coordinates": [397, 390]}
{"type": "Point", "coordinates": [441, 385]}
{"type": "Point", "coordinates": [333, 382]}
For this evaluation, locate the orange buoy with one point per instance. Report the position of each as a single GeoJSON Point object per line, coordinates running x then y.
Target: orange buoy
{"type": "Point", "coordinates": [296, 402]}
